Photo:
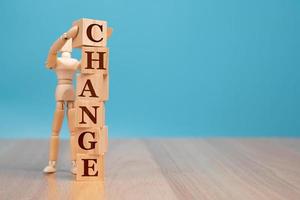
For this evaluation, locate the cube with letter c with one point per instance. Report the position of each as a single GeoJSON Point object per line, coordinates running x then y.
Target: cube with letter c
{"type": "Point", "coordinates": [90, 33]}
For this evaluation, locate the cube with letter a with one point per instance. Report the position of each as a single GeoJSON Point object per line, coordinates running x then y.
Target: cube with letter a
{"type": "Point", "coordinates": [91, 87]}
{"type": "Point", "coordinates": [90, 33]}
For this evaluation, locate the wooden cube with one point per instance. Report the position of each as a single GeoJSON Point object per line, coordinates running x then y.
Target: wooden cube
{"type": "Point", "coordinates": [90, 167]}
{"type": "Point", "coordinates": [88, 140]}
{"type": "Point", "coordinates": [105, 90]}
{"type": "Point", "coordinates": [91, 141]}
{"type": "Point", "coordinates": [103, 116]}
{"type": "Point", "coordinates": [104, 142]}
{"type": "Point", "coordinates": [90, 87]}
{"type": "Point", "coordinates": [94, 59]}
{"type": "Point", "coordinates": [89, 113]}
{"type": "Point", "coordinates": [90, 33]}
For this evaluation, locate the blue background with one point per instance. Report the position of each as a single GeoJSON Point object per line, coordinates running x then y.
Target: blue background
{"type": "Point", "coordinates": [177, 68]}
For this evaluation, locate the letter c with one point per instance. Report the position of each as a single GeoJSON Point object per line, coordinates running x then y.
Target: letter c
{"type": "Point", "coordinates": [89, 32]}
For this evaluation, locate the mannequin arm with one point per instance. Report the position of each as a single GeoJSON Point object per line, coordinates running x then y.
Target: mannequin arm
{"type": "Point", "coordinates": [58, 44]}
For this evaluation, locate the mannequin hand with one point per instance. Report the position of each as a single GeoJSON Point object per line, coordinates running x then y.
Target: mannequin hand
{"type": "Point", "coordinates": [71, 33]}
{"type": "Point", "coordinates": [51, 61]}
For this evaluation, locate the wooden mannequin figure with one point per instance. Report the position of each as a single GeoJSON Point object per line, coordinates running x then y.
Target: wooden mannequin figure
{"type": "Point", "coordinates": [65, 68]}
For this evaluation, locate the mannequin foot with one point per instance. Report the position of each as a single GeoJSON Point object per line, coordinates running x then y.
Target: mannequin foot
{"type": "Point", "coordinates": [74, 168]}
{"type": "Point", "coordinates": [51, 168]}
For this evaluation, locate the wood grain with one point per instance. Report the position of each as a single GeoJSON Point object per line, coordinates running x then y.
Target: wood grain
{"type": "Point", "coordinates": [185, 168]}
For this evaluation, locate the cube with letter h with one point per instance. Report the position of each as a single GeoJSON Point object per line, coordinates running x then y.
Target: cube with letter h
{"type": "Point", "coordinates": [94, 59]}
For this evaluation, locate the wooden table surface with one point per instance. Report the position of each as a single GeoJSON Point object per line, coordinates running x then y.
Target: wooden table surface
{"type": "Point", "coordinates": [186, 168]}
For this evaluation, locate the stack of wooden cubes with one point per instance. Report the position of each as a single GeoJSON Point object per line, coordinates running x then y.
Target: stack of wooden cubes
{"type": "Point", "coordinates": [91, 94]}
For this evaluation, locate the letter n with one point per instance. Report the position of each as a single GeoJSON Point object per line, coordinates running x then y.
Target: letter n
{"type": "Point", "coordinates": [89, 114]}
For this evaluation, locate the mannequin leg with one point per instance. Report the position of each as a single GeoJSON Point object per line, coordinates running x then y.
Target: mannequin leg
{"type": "Point", "coordinates": [54, 141]}
{"type": "Point", "coordinates": [71, 123]}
